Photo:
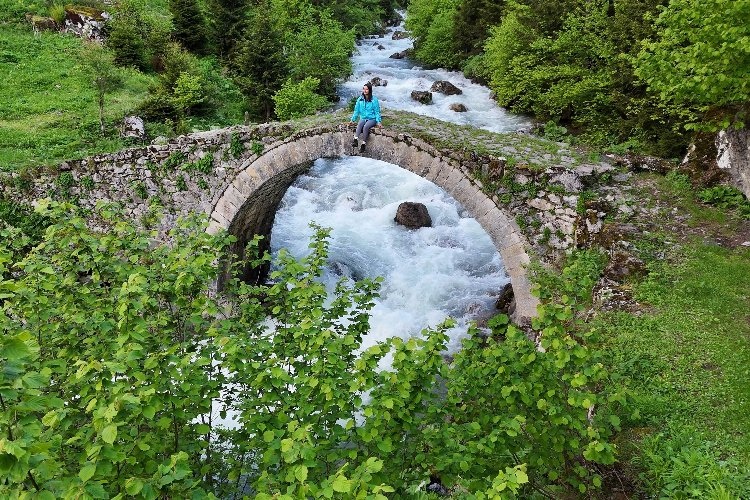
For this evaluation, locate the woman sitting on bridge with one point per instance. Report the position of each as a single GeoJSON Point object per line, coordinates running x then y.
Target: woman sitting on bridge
{"type": "Point", "coordinates": [367, 108]}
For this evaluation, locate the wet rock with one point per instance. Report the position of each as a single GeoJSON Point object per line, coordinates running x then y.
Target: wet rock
{"type": "Point", "coordinates": [445, 87]}
{"type": "Point", "coordinates": [399, 55]}
{"type": "Point", "coordinates": [133, 127]}
{"type": "Point", "coordinates": [506, 302]}
{"type": "Point", "coordinates": [421, 96]}
{"type": "Point", "coordinates": [399, 35]}
{"type": "Point", "coordinates": [380, 47]}
{"type": "Point", "coordinates": [458, 107]}
{"type": "Point", "coordinates": [413, 215]}
{"type": "Point", "coordinates": [378, 82]}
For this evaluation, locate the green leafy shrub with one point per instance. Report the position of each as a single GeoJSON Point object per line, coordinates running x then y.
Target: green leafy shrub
{"type": "Point", "coordinates": [295, 100]}
{"type": "Point", "coordinates": [174, 160]}
{"type": "Point", "coordinates": [205, 165]}
{"type": "Point", "coordinates": [319, 49]}
{"type": "Point", "coordinates": [141, 355]}
{"type": "Point", "coordinates": [57, 12]}
{"type": "Point", "coordinates": [87, 183]}
{"type": "Point", "coordinates": [726, 197]}
{"type": "Point", "coordinates": [236, 146]}
{"type": "Point", "coordinates": [554, 132]}
{"type": "Point", "coordinates": [24, 218]}
{"type": "Point", "coordinates": [431, 25]}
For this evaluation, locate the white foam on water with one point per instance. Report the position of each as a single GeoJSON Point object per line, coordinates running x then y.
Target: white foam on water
{"type": "Point", "coordinates": [450, 269]}
{"type": "Point", "coordinates": [404, 75]}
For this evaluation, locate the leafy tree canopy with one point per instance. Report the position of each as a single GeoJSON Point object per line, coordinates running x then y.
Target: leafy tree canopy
{"type": "Point", "coordinates": [701, 56]}
{"type": "Point", "coordinates": [118, 365]}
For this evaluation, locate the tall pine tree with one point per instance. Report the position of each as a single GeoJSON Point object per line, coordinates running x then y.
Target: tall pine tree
{"type": "Point", "coordinates": [472, 21]}
{"type": "Point", "coordinates": [258, 64]}
{"type": "Point", "coordinates": [189, 25]}
{"type": "Point", "coordinates": [226, 19]}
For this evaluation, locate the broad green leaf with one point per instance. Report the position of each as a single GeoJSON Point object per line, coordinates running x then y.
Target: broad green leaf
{"type": "Point", "coordinates": [341, 484]}
{"type": "Point", "coordinates": [87, 472]}
{"type": "Point", "coordinates": [133, 486]}
{"type": "Point", "coordinates": [301, 473]}
{"type": "Point", "coordinates": [109, 434]}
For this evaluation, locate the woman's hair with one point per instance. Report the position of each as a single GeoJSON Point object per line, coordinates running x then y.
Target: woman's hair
{"type": "Point", "coordinates": [369, 94]}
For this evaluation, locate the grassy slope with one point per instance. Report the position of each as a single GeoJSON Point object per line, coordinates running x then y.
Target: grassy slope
{"type": "Point", "coordinates": [48, 110]}
{"type": "Point", "coordinates": [686, 350]}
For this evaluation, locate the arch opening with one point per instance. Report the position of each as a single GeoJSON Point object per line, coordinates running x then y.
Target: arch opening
{"type": "Point", "coordinates": [248, 205]}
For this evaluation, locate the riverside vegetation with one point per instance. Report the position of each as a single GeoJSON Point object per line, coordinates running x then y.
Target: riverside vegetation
{"type": "Point", "coordinates": [646, 402]}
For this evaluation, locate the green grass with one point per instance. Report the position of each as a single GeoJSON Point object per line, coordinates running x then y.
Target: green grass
{"type": "Point", "coordinates": [689, 359]}
{"type": "Point", "coordinates": [48, 110]}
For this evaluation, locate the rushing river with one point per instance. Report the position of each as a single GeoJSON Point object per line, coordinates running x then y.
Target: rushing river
{"type": "Point", "coordinates": [450, 269]}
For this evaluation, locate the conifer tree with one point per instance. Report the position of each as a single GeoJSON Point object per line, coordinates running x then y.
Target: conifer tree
{"type": "Point", "coordinates": [258, 63]}
{"type": "Point", "coordinates": [226, 18]}
{"type": "Point", "coordinates": [189, 25]}
{"type": "Point", "coordinates": [472, 21]}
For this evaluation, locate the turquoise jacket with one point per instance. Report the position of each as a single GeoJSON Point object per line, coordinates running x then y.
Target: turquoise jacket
{"type": "Point", "coordinates": [367, 110]}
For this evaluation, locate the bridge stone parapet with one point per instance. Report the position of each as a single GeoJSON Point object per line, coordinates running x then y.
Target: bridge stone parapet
{"type": "Point", "coordinates": [238, 176]}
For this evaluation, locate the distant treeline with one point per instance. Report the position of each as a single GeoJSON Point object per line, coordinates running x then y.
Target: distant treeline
{"type": "Point", "coordinates": [634, 73]}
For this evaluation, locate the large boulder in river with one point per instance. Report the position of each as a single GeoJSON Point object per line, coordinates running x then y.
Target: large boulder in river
{"type": "Point", "coordinates": [413, 215]}
{"type": "Point", "coordinates": [399, 55]}
{"type": "Point", "coordinates": [399, 35]}
{"type": "Point", "coordinates": [445, 87]}
{"type": "Point", "coordinates": [422, 96]}
{"type": "Point", "coordinates": [376, 81]}
{"type": "Point", "coordinates": [458, 107]}
{"type": "Point", "coordinates": [506, 302]}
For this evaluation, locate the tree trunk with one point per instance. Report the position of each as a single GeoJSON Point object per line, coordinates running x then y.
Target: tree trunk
{"type": "Point", "coordinates": [101, 113]}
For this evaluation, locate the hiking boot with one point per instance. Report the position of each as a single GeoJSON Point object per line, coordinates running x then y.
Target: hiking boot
{"type": "Point", "coordinates": [354, 143]}
{"type": "Point", "coordinates": [362, 148]}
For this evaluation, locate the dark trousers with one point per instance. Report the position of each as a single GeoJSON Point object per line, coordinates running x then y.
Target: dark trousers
{"type": "Point", "coordinates": [363, 127]}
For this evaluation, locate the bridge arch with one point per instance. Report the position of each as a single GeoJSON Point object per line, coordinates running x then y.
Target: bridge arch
{"type": "Point", "coordinates": [248, 204]}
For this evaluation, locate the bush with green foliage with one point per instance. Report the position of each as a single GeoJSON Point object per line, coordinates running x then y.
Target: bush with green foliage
{"type": "Point", "coordinates": [431, 25]}
{"type": "Point", "coordinates": [701, 58]}
{"type": "Point", "coordinates": [295, 100]}
{"type": "Point", "coordinates": [726, 197]}
{"type": "Point", "coordinates": [319, 49]}
{"type": "Point", "coordinates": [186, 86]}
{"type": "Point", "coordinates": [120, 382]}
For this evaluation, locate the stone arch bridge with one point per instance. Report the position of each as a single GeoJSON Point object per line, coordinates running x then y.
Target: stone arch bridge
{"type": "Point", "coordinates": [238, 176]}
